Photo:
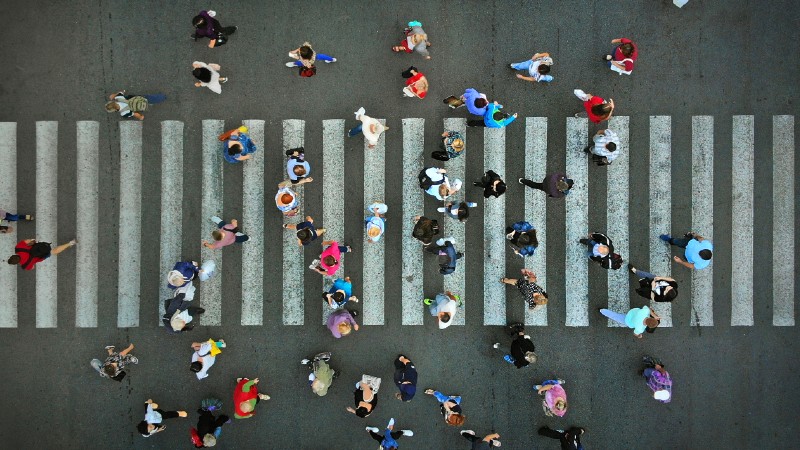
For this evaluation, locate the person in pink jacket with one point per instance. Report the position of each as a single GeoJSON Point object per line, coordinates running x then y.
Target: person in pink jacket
{"type": "Point", "coordinates": [330, 259]}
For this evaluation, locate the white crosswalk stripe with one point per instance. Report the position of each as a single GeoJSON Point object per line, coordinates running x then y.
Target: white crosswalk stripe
{"type": "Point", "coordinates": [333, 200]}
{"type": "Point", "coordinates": [660, 206]}
{"type": "Point", "coordinates": [783, 222]}
{"type": "Point", "coordinates": [456, 169]}
{"type": "Point", "coordinates": [413, 205]}
{"type": "Point", "coordinates": [494, 222]}
{"type": "Point", "coordinates": [374, 175]}
{"type": "Point", "coordinates": [253, 226]}
{"type": "Point", "coordinates": [536, 209]}
{"type": "Point", "coordinates": [8, 201]}
{"type": "Point", "coordinates": [171, 203]}
{"type": "Point", "coordinates": [47, 221]}
{"type": "Point", "coordinates": [703, 215]}
{"type": "Point", "coordinates": [210, 292]}
{"type": "Point", "coordinates": [87, 226]}
{"type": "Point", "coordinates": [293, 263]}
{"type": "Point", "coordinates": [577, 225]}
{"type": "Point", "coordinates": [742, 156]}
{"type": "Point", "coordinates": [617, 217]}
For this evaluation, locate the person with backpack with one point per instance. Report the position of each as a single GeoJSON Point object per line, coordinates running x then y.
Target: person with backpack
{"type": "Point", "coordinates": [450, 407]}
{"type": "Point", "coordinates": [447, 255]}
{"type": "Point", "coordinates": [522, 236]}
{"type": "Point", "coordinates": [204, 356]}
{"type": "Point", "coordinates": [425, 229]}
{"type": "Point", "coordinates": [9, 217]}
{"type": "Point", "coordinates": [114, 363]}
{"type": "Point", "coordinates": [180, 315]}
{"type": "Point", "coordinates": [493, 118]}
{"type": "Point", "coordinates": [339, 293]}
{"type": "Point", "coordinates": [365, 396]}
{"type": "Point", "coordinates": [533, 294]}
{"type": "Point", "coordinates": [297, 168]}
{"type": "Point", "coordinates": [30, 252]}
{"type": "Point", "coordinates": [209, 427]}
{"type": "Point", "coordinates": [132, 106]}
{"type": "Point", "coordinates": [237, 145]}
{"type": "Point", "coordinates": [492, 184]}
{"type": "Point", "coordinates": [322, 375]}
{"type": "Point", "coordinates": [306, 231]}
{"type": "Point", "coordinates": [207, 26]}
{"type": "Point", "coordinates": [225, 234]}
{"type": "Point", "coordinates": [304, 59]}
{"type": "Point", "coordinates": [459, 211]}
{"type": "Point", "coordinates": [522, 351]}
{"type": "Point", "coordinates": [208, 75]}
{"type": "Point", "coordinates": [555, 184]}
{"type": "Point", "coordinates": [657, 289]}
{"type": "Point", "coordinates": [389, 438]}
{"type": "Point", "coordinates": [443, 307]}
{"type": "Point", "coordinates": [405, 378]}
{"type": "Point", "coordinates": [604, 147]}
{"type": "Point", "coordinates": [246, 397]}
{"type": "Point", "coordinates": [601, 251]}
{"type": "Point", "coordinates": [153, 418]}
{"type": "Point", "coordinates": [623, 57]}
{"type": "Point", "coordinates": [640, 319]}
{"type": "Point", "coordinates": [452, 146]}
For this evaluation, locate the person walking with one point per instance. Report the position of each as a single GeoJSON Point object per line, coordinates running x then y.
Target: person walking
{"type": "Point", "coordinates": [492, 184]}
{"type": "Point", "coordinates": [555, 397]}
{"type": "Point", "coordinates": [114, 363]}
{"type": "Point", "coordinates": [322, 375]}
{"type": "Point", "coordinates": [601, 251]}
{"type": "Point", "coordinates": [658, 379]}
{"type": "Point", "coordinates": [209, 427]}
{"type": "Point", "coordinates": [458, 211]}
{"type": "Point", "coordinates": [29, 252]}
{"type": "Point", "coordinates": [416, 40]}
{"type": "Point", "coordinates": [297, 168]}
{"type": "Point", "coordinates": [10, 217]}
{"type": "Point", "coordinates": [365, 396]}
{"type": "Point", "coordinates": [204, 356]}
{"type": "Point", "coordinates": [522, 237]}
{"type": "Point", "coordinates": [493, 118]}
{"type": "Point", "coordinates": [447, 255]}
{"type": "Point", "coordinates": [657, 289]}
{"type": "Point", "coordinates": [375, 223]}
{"type": "Point", "coordinates": [371, 128]}
{"type": "Point", "coordinates": [488, 441]}
{"type": "Point", "coordinates": [405, 378]}
{"type": "Point", "coordinates": [306, 231]}
{"type": "Point", "coordinates": [522, 351]}
{"type": "Point", "coordinates": [597, 109]}
{"type": "Point", "coordinates": [237, 145]}
{"type": "Point", "coordinates": [604, 147]}
{"type": "Point", "coordinates": [389, 438]}
{"type": "Point", "coordinates": [225, 234]}
{"type": "Point", "coordinates": [623, 57]}
{"type": "Point", "coordinates": [305, 56]}
{"type": "Point", "coordinates": [342, 322]}
{"type": "Point", "coordinates": [132, 106]}
{"type": "Point", "coordinates": [180, 315]}
{"type": "Point", "coordinates": [533, 294]}
{"type": "Point", "coordinates": [570, 439]}
{"type": "Point", "coordinates": [475, 101]}
{"type": "Point", "coordinates": [538, 68]}
{"type": "Point", "coordinates": [698, 250]}
{"type": "Point", "coordinates": [207, 26]}
{"type": "Point", "coordinates": [434, 181]}
{"type": "Point", "coordinates": [555, 184]}
{"type": "Point", "coordinates": [286, 201]}
{"type": "Point", "coordinates": [246, 397]}
{"type": "Point", "coordinates": [425, 229]}
{"type": "Point", "coordinates": [444, 308]}
{"type": "Point", "coordinates": [640, 319]}
{"type": "Point", "coordinates": [208, 75]}
{"type": "Point", "coordinates": [339, 293]}
{"type": "Point", "coordinates": [450, 407]}
{"type": "Point", "coordinates": [330, 258]}
{"type": "Point", "coordinates": [416, 83]}
{"type": "Point", "coordinates": [452, 146]}
{"type": "Point", "coordinates": [182, 272]}
{"type": "Point", "coordinates": [153, 417]}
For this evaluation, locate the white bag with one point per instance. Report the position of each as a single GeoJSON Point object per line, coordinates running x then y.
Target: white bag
{"type": "Point", "coordinates": [581, 95]}
{"type": "Point", "coordinates": [373, 382]}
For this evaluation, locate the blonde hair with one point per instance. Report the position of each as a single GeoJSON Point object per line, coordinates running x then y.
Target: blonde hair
{"type": "Point", "coordinates": [345, 328]}
{"type": "Point", "coordinates": [373, 231]}
{"type": "Point", "coordinates": [443, 190]}
{"type": "Point", "coordinates": [561, 404]}
{"type": "Point", "coordinates": [246, 406]}
{"type": "Point", "coordinates": [458, 144]}
{"type": "Point", "coordinates": [112, 107]}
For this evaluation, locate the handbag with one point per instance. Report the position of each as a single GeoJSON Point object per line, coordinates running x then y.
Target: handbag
{"type": "Point", "coordinates": [306, 72]}
{"type": "Point", "coordinates": [373, 382]}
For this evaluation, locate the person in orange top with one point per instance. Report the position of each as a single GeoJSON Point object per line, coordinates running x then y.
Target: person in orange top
{"type": "Point", "coordinates": [245, 398]}
{"type": "Point", "coordinates": [416, 83]}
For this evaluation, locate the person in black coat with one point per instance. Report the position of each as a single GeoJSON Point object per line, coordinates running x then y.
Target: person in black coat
{"type": "Point", "coordinates": [521, 353]}
{"type": "Point", "coordinates": [555, 184]}
{"type": "Point", "coordinates": [209, 427]}
{"type": "Point", "coordinates": [652, 287]}
{"type": "Point", "coordinates": [180, 314]}
{"type": "Point", "coordinates": [492, 184]}
{"type": "Point", "coordinates": [601, 251]}
{"type": "Point", "coordinates": [405, 378]}
{"type": "Point", "coordinates": [570, 439]}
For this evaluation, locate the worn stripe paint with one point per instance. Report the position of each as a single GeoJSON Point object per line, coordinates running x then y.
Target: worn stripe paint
{"type": "Point", "coordinates": [535, 210]}
{"type": "Point", "coordinates": [374, 167]}
{"type": "Point", "coordinates": [742, 159]}
{"type": "Point", "coordinates": [494, 222]}
{"type": "Point", "coordinates": [413, 205]}
{"type": "Point", "coordinates": [783, 221]}
{"type": "Point", "coordinates": [130, 224]}
{"type": "Point", "coordinates": [171, 204]}
{"type": "Point", "coordinates": [577, 225]}
{"type": "Point", "coordinates": [253, 226]}
{"type": "Point", "coordinates": [455, 170]}
{"type": "Point", "coordinates": [333, 197]}
{"type": "Point", "coordinates": [210, 292]}
{"type": "Point", "coordinates": [618, 176]}
{"type": "Point", "coordinates": [8, 200]}
{"type": "Point", "coordinates": [293, 263]}
{"type": "Point", "coordinates": [703, 215]}
{"type": "Point", "coordinates": [87, 219]}
{"type": "Point", "coordinates": [660, 206]}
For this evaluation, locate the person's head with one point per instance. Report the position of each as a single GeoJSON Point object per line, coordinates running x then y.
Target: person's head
{"type": "Point", "coordinates": [530, 357]}
{"type": "Point", "coordinates": [455, 419]}
{"type": "Point", "coordinates": [499, 116]}
{"type": "Point", "coordinates": [705, 254]}
{"type": "Point", "coordinates": [13, 260]}
{"type": "Point", "coordinates": [539, 299]}
{"type": "Point", "coordinates": [443, 191]}
{"type": "Point", "coordinates": [178, 323]}
{"type": "Point", "coordinates": [480, 102]}
{"type": "Point", "coordinates": [286, 198]}
{"type": "Point", "coordinates": [196, 366]}
{"type": "Point", "coordinates": [299, 170]}
{"type": "Point", "coordinates": [458, 145]}
{"type": "Point", "coordinates": [246, 406]}
{"type": "Point", "coordinates": [543, 69]}
{"type": "Point", "coordinates": [199, 21]}
{"type": "Point", "coordinates": [202, 74]}
{"type": "Point", "coordinates": [306, 52]}
{"type": "Point", "coordinates": [329, 261]}
{"type": "Point", "coordinates": [112, 107]}
{"type": "Point", "coordinates": [626, 49]}
{"type": "Point", "coordinates": [444, 317]}
{"type": "Point", "coordinates": [145, 428]}
{"type": "Point", "coordinates": [603, 109]}
{"type": "Point", "coordinates": [528, 238]}
{"type": "Point", "coordinates": [110, 369]}
{"type": "Point", "coordinates": [304, 235]}
{"type": "Point", "coordinates": [235, 149]}
{"type": "Point", "coordinates": [564, 184]}
{"type": "Point", "coordinates": [602, 249]}
{"type": "Point", "coordinates": [500, 187]}
{"type": "Point", "coordinates": [338, 296]}
{"type": "Point", "coordinates": [345, 328]}
{"type": "Point", "coordinates": [463, 212]}
{"type": "Point", "coordinates": [561, 404]}
{"type": "Point", "coordinates": [175, 278]}
{"type": "Point", "coordinates": [650, 322]}
{"type": "Point", "coordinates": [217, 235]}
{"type": "Point", "coordinates": [670, 293]}
{"type": "Point", "coordinates": [209, 440]}
{"type": "Point", "coordinates": [611, 146]}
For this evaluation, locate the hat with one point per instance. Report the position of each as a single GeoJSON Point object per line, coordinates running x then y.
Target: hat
{"type": "Point", "coordinates": [661, 394]}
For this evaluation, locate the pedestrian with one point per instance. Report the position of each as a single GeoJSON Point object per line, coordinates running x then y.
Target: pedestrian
{"type": "Point", "coordinates": [9, 217]}
{"type": "Point", "coordinates": [601, 251]}
{"type": "Point", "coordinates": [450, 407]}
{"type": "Point", "coordinates": [132, 105]}
{"type": "Point", "coordinates": [475, 101]}
{"type": "Point", "coordinates": [182, 272]}
{"type": "Point", "coordinates": [225, 234]}
{"type": "Point", "coordinates": [425, 229]}
{"type": "Point", "coordinates": [342, 322]}
{"type": "Point", "coordinates": [305, 57]}
{"type": "Point", "coordinates": [488, 441]}
{"type": "Point", "coordinates": [208, 76]}
{"type": "Point", "coordinates": [389, 438]}
{"type": "Point", "coordinates": [458, 211]}
{"type": "Point", "coordinates": [435, 182]}
{"type": "Point", "coordinates": [297, 168]}
{"type": "Point", "coordinates": [522, 351]}
{"type": "Point", "coordinates": [371, 128]}
{"type": "Point", "coordinates": [640, 319]}
{"type": "Point", "coordinates": [493, 118]}
{"type": "Point", "coordinates": [522, 236]}
{"type": "Point", "coordinates": [237, 145]}
{"type": "Point", "coordinates": [698, 250]}
{"type": "Point", "coordinates": [286, 201]}
{"type": "Point", "coordinates": [180, 315]}
{"type": "Point", "coordinates": [153, 416]}
{"type": "Point", "coordinates": [533, 294]}
{"type": "Point", "coordinates": [306, 231]}
{"type": "Point", "coordinates": [330, 258]}
{"type": "Point", "coordinates": [209, 427]}
{"type": "Point", "coordinates": [443, 307]}
{"type": "Point", "coordinates": [114, 363]}
{"type": "Point", "coordinates": [416, 83]}
{"type": "Point", "coordinates": [597, 108]}
{"type": "Point", "coordinates": [555, 184]}
{"type": "Point", "coordinates": [375, 223]}
{"type": "Point", "coordinates": [604, 147]}
{"type": "Point", "coordinates": [30, 252]}
{"type": "Point", "coordinates": [452, 146]}
{"type": "Point", "coordinates": [204, 356]}
{"type": "Point", "coordinates": [447, 255]}
{"type": "Point", "coordinates": [538, 68]}
{"type": "Point", "coordinates": [658, 379]}
{"type": "Point", "coordinates": [492, 184]}
{"type": "Point", "coordinates": [555, 397]}
{"type": "Point", "coordinates": [415, 40]}
{"type": "Point", "coordinates": [207, 26]}
{"type": "Point", "coordinates": [365, 396]}
{"type": "Point", "coordinates": [657, 289]}
{"type": "Point", "coordinates": [623, 56]}
{"type": "Point", "coordinates": [339, 293]}
{"type": "Point", "coordinates": [246, 397]}
{"type": "Point", "coordinates": [322, 375]}
{"type": "Point", "coordinates": [570, 439]}
{"type": "Point", "coordinates": [405, 378]}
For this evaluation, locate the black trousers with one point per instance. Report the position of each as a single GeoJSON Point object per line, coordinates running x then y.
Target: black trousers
{"type": "Point", "coordinates": [564, 437]}
{"type": "Point", "coordinates": [476, 123]}
{"type": "Point", "coordinates": [379, 437]}
{"type": "Point", "coordinates": [533, 184]}
{"type": "Point", "coordinates": [440, 155]}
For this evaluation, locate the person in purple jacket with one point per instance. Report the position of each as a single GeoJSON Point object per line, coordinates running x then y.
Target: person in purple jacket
{"type": "Point", "coordinates": [556, 184]}
{"type": "Point", "coordinates": [475, 101]}
{"type": "Point", "coordinates": [207, 26]}
{"type": "Point", "coordinates": [342, 322]}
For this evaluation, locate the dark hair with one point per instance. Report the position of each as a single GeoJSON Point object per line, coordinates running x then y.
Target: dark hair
{"type": "Point", "coordinates": [611, 146]}
{"type": "Point", "coordinates": [304, 235]}
{"type": "Point", "coordinates": [463, 211]}
{"type": "Point", "coordinates": [202, 74]}
{"type": "Point", "coordinates": [602, 109]}
{"type": "Point", "coordinates": [626, 49]}
{"type": "Point", "coordinates": [445, 317]}
{"type": "Point", "coordinates": [142, 428]}
{"type": "Point", "coordinates": [306, 52]}
{"type": "Point", "coordinates": [499, 115]}
{"type": "Point", "coordinates": [338, 297]}
{"type": "Point", "coordinates": [198, 21]}
{"type": "Point", "coordinates": [671, 294]}
{"type": "Point", "coordinates": [329, 260]}
{"type": "Point", "coordinates": [543, 69]}
{"type": "Point", "coordinates": [500, 187]}
{"type": "Point", "coordinates": [196, 366]}
{"type": "Point", "coordinates": [480, 102]}
{"type": "Point", "coordinates": [110, 370]}
{"type": "Point", "coordinates": [705, 254]}
{"type": "Point", "coordinates": [528, 238]}
{"type": "Point", "coordinates": [13, 260]}
{"type": "Point", "coordinates": [235, 149]}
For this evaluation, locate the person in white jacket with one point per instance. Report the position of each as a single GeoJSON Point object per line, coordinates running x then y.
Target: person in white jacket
{"type": "Point", "coordinates": [208, 76]}
{"type": "Point", "coordinates": [371, 128]}
{"type": "Point", "coordinates": [204, 356]}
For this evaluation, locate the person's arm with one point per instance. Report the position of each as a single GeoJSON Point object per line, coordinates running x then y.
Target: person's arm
{"type": "Point", "coordinates": [510, 119]}
{"type": "Point", "coordinates": [611, 102]}
{"type": "Point", "coordinates": [138, 116]}
{"type": "Point", "coordinates": [352, 321]}
{"type": "Point", "coordinates": [491, 437]}
{"type": "Point", "coordinates": [246, 387]}
{"type": "Point", "coordinates": [686, 264]}
{"type": "Point", "coordinates": [523, 77]}
{"type": "Point", "coordinates": [117, 94]}
{"type": "Point", "coordinates": [616, 41]}
{"type": "Point", "coordinates": [540, 55]}
{"type": "Point", "coordinates": [545, 388]}
{"type": "Point", "coordinates": [619, 65]}
{"type": "Point", "coordinates": [663, 279]}
{"type": "Point", "coordinates": [126, 351]}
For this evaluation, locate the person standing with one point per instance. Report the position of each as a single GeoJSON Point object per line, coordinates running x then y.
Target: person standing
{"type": "Point", "coordinates": [698, 250]}
{"type": "Point", "coordinates": [339, 293]}
{"type": "Point", "coordinates": [623, 56]}
{"type": "Point", "coordinates": [207, 26]}
{"type": "Point", "coordinates": [658, 379]}
{"type": "Point", "coordinates": [570, 439]}
{"type": "Point", "coordinates": [444, 308]}
{"type": "Point", "coordinates": [375, 223]}
{"type": "Point", "coordinates": [204, 356]}
{"type": "Point", "coordinates": [132, 105]}
{"type": "Point", "coordinates": [305, 56]}
{"type": "Point", "coordinates": [450, 407]}
{"type": "Point", "coordinates": [306, 231]}
{"type": "Point", "coordinates": [9, 217]}
{"type": "Point", "coordinates": [30, 252]}
{"type": "Point", "coordinates": [416, 83]}
{"type": "Point", "coordinates": [522, 236]}
{"type": "Point", "coordinates": [604, 148]}
{"type": "Point", "coordinates": [405, 378]}
{"type": "Point", "coordinates": [597, 109]}
{"type": "Point", "coordinates": [492, 184]}
{"type": "Point", "coordinates": [208, 75]}
{"type": "Point", "coordinates": [389, 439]}
{"type": "Point", "coordinates": [416, 40]}
{"type": "Point", "coordinates": [237, 145]}
{"type": "Point", "coordinates": [522, 351]}
{"type": "Point", "coordinates": [459, 211]}
{"type": "Point", "coordinates": [226, 234]}
{"type": "Point", "coordinates": [601, 251]}
{"type": "Point", "coordinates": [114, 363]}
{"type": "Point", "coordinates": [246, 397]}
{"type": "Point", "coordinates": [447, 254]}
{"type": "Point", "coordinates": [425, 229]}
{"type": "Point", "coordinates": [371, 128]}
{"type": "Point", "coordinates": [533, 294]}
{"type": "Point", "coordinates": [322, 375]}
{"type": "Point", "coordinates": [493, 118]}
{"type": "Point", "coordinates": [452, 146]}
{"type": "Point", "coordinates": [538, 68]}
{"type": "Point", "coordinates": [657, 289]}
{"type": "Point", "coordinates": [286, 201]}
{"type": "Point", "coordinates": [640, 319]}
{"type": "Point", "coordinates": [209, 427]}
{"type": "Point", "coordinates": [488, 441]}
{"type": "Point", "coordinates": [555, 397]}
{"type": "Point", "coordinates": [555, 184]}
{"type": "Point", "coordinates": [365, 396]}
{"type": "Point", "coordinates": [342, 323]}
{"type": "Point", "coordinates": [297, 168]}
{"type": "Point", "coordinates": [153, 418]}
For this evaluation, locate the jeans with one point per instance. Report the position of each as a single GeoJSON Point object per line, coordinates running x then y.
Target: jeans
{"type": "Point", "coordinates": [320, 56]}
{"type": "Point", "coordinates": [355, 131]}
{"type": "Point", "coordinates": [615, 316]}
{"type": "Point", "coordinates": [443, 398]}
{"type": "Point", "coordinates": [591, 245]}
{"type": "Point", "coordinates": [155, 98]}
{"type": "Point", "coordinates": [217, 432]}
{"type": "Point", "coordinates": [643, 274]}
{"type": "Point", "coordinates": [524, 65]}
{"type": "Point", "coordinates": [11, 217]}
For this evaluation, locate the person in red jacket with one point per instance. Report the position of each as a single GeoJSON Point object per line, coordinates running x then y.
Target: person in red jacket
{"type": "Point", "coordinates": [29, 252]}
{"type": "Point", "coordinates": [416, 83]}
{"type": "Point", "coordinates": [597, 108]}
{"type": "Point", "coordinates": [245, 398]}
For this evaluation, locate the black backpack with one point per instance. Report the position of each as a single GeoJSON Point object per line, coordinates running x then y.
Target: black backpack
{"type": "Point", "coordinates": [425, 181]}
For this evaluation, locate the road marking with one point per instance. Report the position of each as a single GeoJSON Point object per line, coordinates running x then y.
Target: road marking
{"type": "Point", "coordinates": [210, 291]}
{"type": "Point", "coordinates": [47, 222]}
{"type": "Point", "coordinates": [742, 221]}
{"type": "Point", "coordinates": [171, 205]}
{"type": "Point", "coordinates": [253, 226]}
{"type": "Point", "coordinates": [660, 206]}
{"type": "Point", "coordinates": [374, 179]}
{"type": "Point", "coordinates": [130, 225]}
{"type": "Point", "coordinates": [577, 226]}
{"type": "Point", "coordinates": [413, 205]}
{"type": "Point", "coordinates": [494, 223]}
{"type": "Point", "coordinates": [783, 221]}
{"type": "Point", "coordinates": [536, 209]}
{"type": "Point", "coordinates": [703, 215]}
{"type": "Point", "coordinates": [332, 196]}
{"type": "Point", "coordinates": [617, 216]}
{"type": "Point", "coordinates": [456, 169]}
{"type": "Point", "coordinates": [8, 200]}
{"type": "Point", "coordinates": [87, 219]}
{"type": "Point", "coordinates": [293, 261]}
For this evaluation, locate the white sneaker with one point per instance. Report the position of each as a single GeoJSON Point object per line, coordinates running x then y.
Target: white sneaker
{"type": "Point", "coordinates": [373, 429]}
{"type": "Point", "coordinates": [290, 64]}
{"type": "Point", "coordinates": [408, 433]}
{"type": "Point", "coordinates": [496, 345]}
{"type": "Point", "coordinates": [391, 422]}
{"type": "Point", "coordinates": [441, 209]}
{"type": "Point", "coordinates": [305, 361]}
{"type": "Point", "coordinates": [216, 219]}
{"type": "Point", "coordinates": [527, 336]}
{"type": "Point", "coordinates": [332, 60]}
{"type": "Point", "coordinates": [463, 432]}
{"type": "Point", "coordinates": [360, 112]}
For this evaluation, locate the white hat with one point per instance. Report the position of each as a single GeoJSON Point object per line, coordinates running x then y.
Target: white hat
{"type": "Point", "coordinates": [662, 394]}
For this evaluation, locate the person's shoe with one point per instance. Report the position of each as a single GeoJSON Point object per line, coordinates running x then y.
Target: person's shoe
{"type": "Point", "coordinates": [496, 345]}
{"type": "Point", "coordinates": [536, 387]}
{"type": "Point", "coordinates": [28, 217]}
{"type": "Point", "coordinates": [223, 80]}
{"type": "Point", "coordinates": [373, 429]}
{"type": "Point", "coordinates": [441, 209]}
{"type": "Point", "coordinates": [305, 361]}
{"type": "Point", "coordinates": [509, 359]}
{"type": "Point", "coordinates": [110, 347]}
{"type": "Point", "coordinates": [560, 431]}
{"type": "Point", "coordinates": [290, 64]}
{"type": "Point", "coordinates": [560, 381]}
{"type": "Point", "coordinates": [477, 184]}
{"type": "Point", "coordinates": [519, 180]}
{"type": "Point", "coordinates": [584, 241]}
{"type": "Point", "coordinates": [427, 301]}
{"type": "Point", "coordinates": [407, 433]}
{"type": "Point", "coordinates": [664, 237]}
{"type": "Point", "coordinates": [527, 336]}
{"type": "Point", "coordinates": [360, 112]}
{"type": "Point", "coordinates": [391, 422]}
{"type": "Point", "coordinates": [459, 255]}
{"type": "Point", "coordinates": [631, 268]}
{"type": "Point", "coordinates": [463, 432]}
{"type": "Point", "coordinates": [586, 149]}
{"type": "Point", "coordinates": [215, 219]}
{"type": "Point", "coordinates": [353, 312]}
{"type": "Point", "coordinates": [607, 58]}
{"type": "Point", "coordinates": [331, 61]}
{"type": "Point", "coordinates": [496, 443]}
{"type": "Point", "coordinates": [264, 396]}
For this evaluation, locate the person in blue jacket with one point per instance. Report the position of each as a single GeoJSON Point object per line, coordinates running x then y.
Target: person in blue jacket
{"type": "Point", "coordinates": [522, 236]}
{"type": "Point", "coordinates": [340, 293]}
{"type": "Point", "coordinates": [446, 250]}
{"type": "Point", "coordinates": [493, 118]}
{"type": "Point", "coordinates": [238, 147]}
{"type": "Point", "coordinates": [182, 273]}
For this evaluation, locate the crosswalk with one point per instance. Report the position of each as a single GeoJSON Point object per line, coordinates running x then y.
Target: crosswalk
{"type": "Point", "coordinates": [498, 301]}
